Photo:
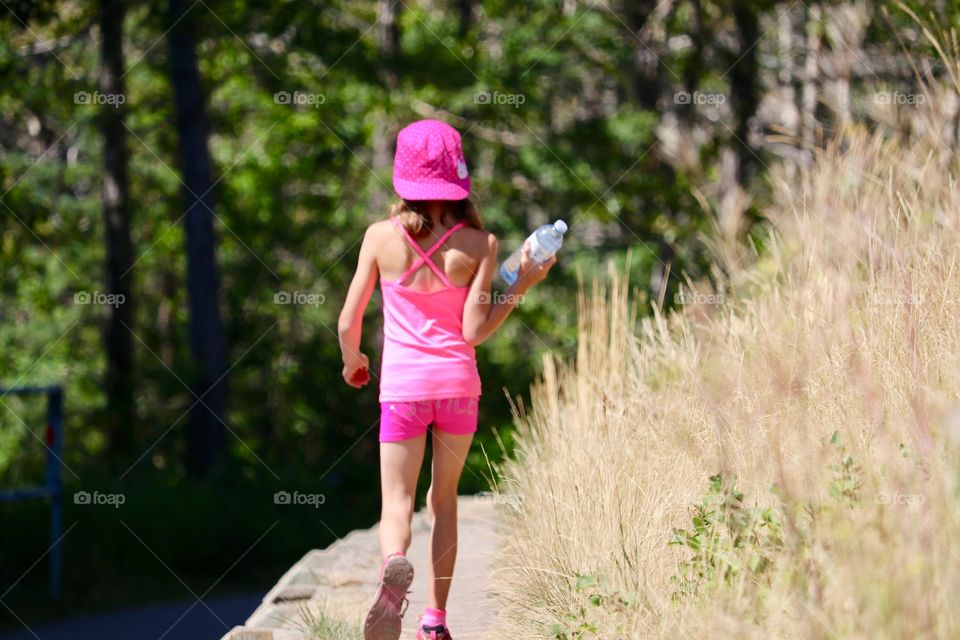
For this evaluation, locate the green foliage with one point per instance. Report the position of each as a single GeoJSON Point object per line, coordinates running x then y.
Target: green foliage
{"type": "Point", "coordinates": [160, 534]}
{"type": "Point", "coordinates": [845, 485]}
{"type": "Point", "coordinates": [727, 539]}
{"type": "Point", "coordinates": [597, 596]}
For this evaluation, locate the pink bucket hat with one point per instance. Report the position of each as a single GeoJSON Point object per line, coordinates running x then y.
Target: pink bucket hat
{"type": "Point", "coordinates": [429, 164]}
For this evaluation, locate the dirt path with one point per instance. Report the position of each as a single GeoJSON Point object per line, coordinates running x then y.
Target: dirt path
{"type": "Point", "coordinates": [341, 579]}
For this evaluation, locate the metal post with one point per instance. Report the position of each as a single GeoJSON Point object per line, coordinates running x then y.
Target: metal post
{"type": "Point", "coordinates": [54, 483]}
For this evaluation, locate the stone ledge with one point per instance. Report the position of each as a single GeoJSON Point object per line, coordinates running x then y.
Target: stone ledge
{"type": "Point", "coordinates": [342, 577]}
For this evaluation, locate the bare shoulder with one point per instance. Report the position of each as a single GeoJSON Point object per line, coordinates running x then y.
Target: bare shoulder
{"type": "Point", "coordinates": [478, 242]}
{"type": "Point", "coordinates": [380, 227]}
{"type": "Point", "coordinates": [379, 231]}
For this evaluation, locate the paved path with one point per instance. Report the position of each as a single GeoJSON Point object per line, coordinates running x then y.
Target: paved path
{"type": "Point", "coordinates": [342, 578]}
{"type": "Point", "coordinates": [470, 611]}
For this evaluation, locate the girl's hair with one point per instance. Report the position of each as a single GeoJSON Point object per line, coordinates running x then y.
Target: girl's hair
{"type": "Point", "coordinates": [414, 215]}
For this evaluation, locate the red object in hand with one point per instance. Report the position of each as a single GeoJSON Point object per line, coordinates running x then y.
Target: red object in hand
{"type": "Point", "coordinates": [360, 377]}
{"type": "Point", "coordinates": [355, 373]}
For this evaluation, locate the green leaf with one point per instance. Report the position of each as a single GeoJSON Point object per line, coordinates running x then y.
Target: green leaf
{"type": "Point", "coordinates": [584, 582]}
{"type": "Point", "coordinates": [758, 563]}
{"type": "Point", "coordinates": [716, 483]}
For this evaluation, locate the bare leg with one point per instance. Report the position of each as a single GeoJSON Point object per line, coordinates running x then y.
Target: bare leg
{"type": "Point", "coordinates": [449, 454]}
{"type": "Point", "coordinates": [399, 467]}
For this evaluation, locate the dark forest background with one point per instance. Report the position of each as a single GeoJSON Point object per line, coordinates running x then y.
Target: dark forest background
{"type": "Point", "coordinates": [184, 186]}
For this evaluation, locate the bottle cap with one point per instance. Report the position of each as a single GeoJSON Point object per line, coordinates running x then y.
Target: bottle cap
{"type": "Point", "coordinates": [560, 226]}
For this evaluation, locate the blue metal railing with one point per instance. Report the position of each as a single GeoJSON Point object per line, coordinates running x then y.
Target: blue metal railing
{"type": "Point", "coordinates": [53, 482]}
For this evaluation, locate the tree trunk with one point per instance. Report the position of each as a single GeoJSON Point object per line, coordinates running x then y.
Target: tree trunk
{"type": "Point", "coordinates": [811, 79]}
{"type": "Point", "coordinates": [786, 74]}
{"type": "Point", "coordinates": [646, 85]}
{"type": "Point", "coordinates": [694, 67]}
{"type": "Point", "coordinates": [744, 88]}
{"type": "Point", "coordinates": [388, 41]}
{"type": "Point", "coordinates": [788, 87]}
{"type": "Point", "coordinates": [465, 8]}
{"type": "Point", "coordinates": [388, 45]}
{"type": "Point", "coordinates": [205, 430]}
{"type": "Point", "coordinates": [647, 67]}
{"type": "Point", "coordinates": [118, 339]}
{"type": "Point", "coordinates": [381, 161]}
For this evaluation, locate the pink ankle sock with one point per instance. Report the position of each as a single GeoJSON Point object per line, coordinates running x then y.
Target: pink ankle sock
{"type": "Point", "coordinates": [433, 617]}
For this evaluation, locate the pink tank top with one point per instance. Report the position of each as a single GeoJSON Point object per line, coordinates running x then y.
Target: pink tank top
{"type": "Point", "coordinates": [424, 354]}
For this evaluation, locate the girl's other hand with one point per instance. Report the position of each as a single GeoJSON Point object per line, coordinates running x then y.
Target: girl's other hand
{"type": "Point", "coordinates": [356, 372]}
{"type": "Point", "coordinates": [531, 272]}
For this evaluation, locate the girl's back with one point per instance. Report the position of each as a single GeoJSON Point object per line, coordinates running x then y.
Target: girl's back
{"type": "Point", "coordinates": [458, 258]}
{"type": "Point", "coordinates": [425, 288]}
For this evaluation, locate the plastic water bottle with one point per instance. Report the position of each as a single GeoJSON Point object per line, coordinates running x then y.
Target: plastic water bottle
{"type": "Point", "coordinates": [544, 242]}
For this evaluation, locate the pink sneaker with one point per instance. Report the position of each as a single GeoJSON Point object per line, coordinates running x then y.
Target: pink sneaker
{"type": "Point", "coordinates": [389, 603]}
{"type": "Point", "coordinates": [438, 632]}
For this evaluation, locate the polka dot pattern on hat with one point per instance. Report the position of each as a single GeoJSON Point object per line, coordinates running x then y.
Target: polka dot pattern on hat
{"type": "Point", "coordinates": [429, 163]}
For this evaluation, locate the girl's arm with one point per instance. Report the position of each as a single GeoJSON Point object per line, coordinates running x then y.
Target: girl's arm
{"type": "Point", "coordinates": [356, 365]}
{"type": "Point", "coordinates": [480, 317]}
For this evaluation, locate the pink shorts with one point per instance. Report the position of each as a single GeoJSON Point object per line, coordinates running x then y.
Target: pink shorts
{"type": "Point", "coordinates": [405, 420]}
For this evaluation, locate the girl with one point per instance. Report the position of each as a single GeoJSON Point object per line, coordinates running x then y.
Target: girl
{"type": "Point", "coordinates": [435, 264]}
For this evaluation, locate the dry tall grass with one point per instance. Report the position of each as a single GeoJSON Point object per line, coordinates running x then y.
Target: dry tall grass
{"type": "Point", "coordinates": [847, 321]}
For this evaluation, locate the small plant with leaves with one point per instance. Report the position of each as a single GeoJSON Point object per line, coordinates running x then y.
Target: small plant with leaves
{"type": "Point", "coordinates": [319, 623]}
{"type": "Point", "coordinates": [845, 485]}
{"type": "Point", "coordinates": [726, 539]}
{"type": "Point", "coordinates": [582, 623]}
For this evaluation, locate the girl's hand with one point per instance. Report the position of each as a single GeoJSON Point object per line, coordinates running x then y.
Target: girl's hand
{"type": "Point", "coordinates": [356, 371]}
{"type": "Point", "coordinates": [530, 272]}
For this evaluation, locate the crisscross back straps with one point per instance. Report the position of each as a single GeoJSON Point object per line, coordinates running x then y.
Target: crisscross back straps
{"type": "Point", "coordinates": [424, 256]}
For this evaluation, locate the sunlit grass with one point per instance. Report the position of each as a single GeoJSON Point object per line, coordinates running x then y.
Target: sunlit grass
{"type": "Point", "coordinates": [825, 385]}
{"type": "Point", "coordinates": [320, 623]}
